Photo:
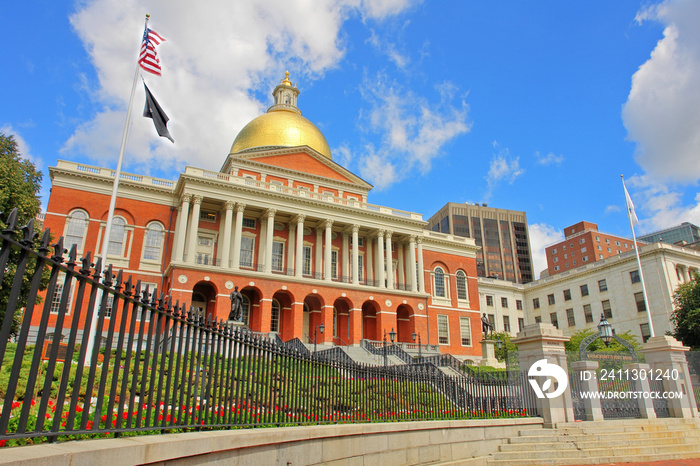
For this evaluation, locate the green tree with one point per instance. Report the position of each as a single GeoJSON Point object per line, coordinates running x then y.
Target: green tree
{"type": "Point", "coordinates": [20, 183]}
{"type": "Point", "coordinates": [686, 313]}
{"type": "Point", "coordinates": [508, 347]}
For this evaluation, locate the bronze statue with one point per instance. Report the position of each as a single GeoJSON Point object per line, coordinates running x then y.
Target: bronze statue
{"type": "Point", "coordinates": [236, 305]}
{"type": "Point", "coordinates": [486, 326]}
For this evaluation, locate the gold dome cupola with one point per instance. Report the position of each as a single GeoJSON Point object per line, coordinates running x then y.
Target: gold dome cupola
{"type": "Point", "coordinates": [282, 125]}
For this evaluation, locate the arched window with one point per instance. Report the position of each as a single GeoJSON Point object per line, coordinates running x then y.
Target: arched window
{"type": "Point", "coordinates": [76, 226]}
{"type": "Point", "coordinates": [461, 285]}
{"type": "Point", "coordinates": [439, 283]}
{"type": "Point", "coordinates": [245, 310]}
{"type": "Point", "coordinates": [275, 317]}
{"type": "Point", "coordinates": [116, 237]}
{"type": "Point", "coordinates": [153, 242]}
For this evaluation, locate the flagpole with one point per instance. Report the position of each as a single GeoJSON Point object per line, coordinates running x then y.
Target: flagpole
{"type": "Point", "coordinates": [639, 261]}
{"type": "Point", "coordinates": [112, 204]}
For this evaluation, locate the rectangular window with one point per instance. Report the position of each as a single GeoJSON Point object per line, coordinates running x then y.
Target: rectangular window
{"type": "Point", "coordinates": [588, 313]}
{"type": "Point", "coordinates": [634, 276]}
{"type": "Point", "coordinates": [584, 249]}
{"type": "Point", "coordinates": [443, 330]}
{"type": "Point", "coordinates": [550, 298]}
{"type": "Point", "coordinates": [207, 216]}
{"type": "Point", "coordinates": [584, 290]}
{"type": "Point", "coordinates": [570, 318]}
{"type": "Point", "coordinates": [307, 261]}
{"type": "Point", "coordinates": [639, 298]}
{"type": "Point", "coordinates": [108, 307]}
{"type": "Point", "coordinates": [582, 240]}
{"type": "Point", "coordinates": [506, 324]}
{"type": "Point", "coordinates": [536, 303]}
{"type": "Point", "coordinates": [247, 245]}
{"type": "Point", "coordinates": [151, 288]}
{"type": "Point", "coordinates": [521, 324]}
{"type": "Point", "coordinates": [492, 321]}
{"type": "Point", "coordinates": [602, 285]}
{"type": "Point", "coordinates": [504, 302]}
{"type": "Point", "coordinates": [334, 264]}
{"type": "Point", "coordinates": [553, 319]}
{"type": "Point", "coordinates": [465, 330]}
{"type": "Point", "coordinates": [644, 330]}
{"type": "Point", "coordinates": [361, 267]}
{"type": "Point", "coordinates": [489, 300]}
{"type": "Point", "coordinates": [278, 256]}
{"type": "Point", "coordinates": [248, 222]}
{"type": "Point", "coordinates": [538, 319]}
{"type": "Point", "coordinates": [607, 311]}
{"type": "Point", "coordinates": [518, 305]}
{"type": "Point", "coordinates": [567, 295]}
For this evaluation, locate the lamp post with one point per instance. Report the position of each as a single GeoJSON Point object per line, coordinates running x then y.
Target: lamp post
{"type": "Point", "coordinates": [500, 344]}
{"type": "Point", "coordinates": [321, 328]}
{"type": "Point", "coordinates": [605, 329]}
{"type": "Point", "coordinates": [420, 355]}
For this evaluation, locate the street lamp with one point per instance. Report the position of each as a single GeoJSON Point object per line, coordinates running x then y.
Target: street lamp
{"type": "Point", "coordinates": [605, 329]}
{"type": "Point", "coordinates": [500, 345]}
{"type": "Point", "coordinates": [321, 328]}
{"type": "Point", "coordinates": [420, 356]}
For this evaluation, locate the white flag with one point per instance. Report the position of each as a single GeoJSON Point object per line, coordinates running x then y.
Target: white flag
{"type": "Point", "coordinates": [630, 207]}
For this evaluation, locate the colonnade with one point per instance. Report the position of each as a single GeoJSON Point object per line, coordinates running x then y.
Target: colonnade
{"type": "Point", "coordinates": [378, 264]}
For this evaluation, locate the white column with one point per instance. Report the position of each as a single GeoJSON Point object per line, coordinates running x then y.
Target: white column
{"type": "Point", "coordinates": [290, 242]}
{"type": "Point", "coordinates": [270, 214]}
{"type": "Point", "coordinates": [380, 259]}
{"type": "Point", "coordinates": [421, 275]}
{"type": "Point", "coordinates": [327, 252]}
{"type": "Point", "coordinates": [238, 230]}
{"type": "Point", "coordinates": [318, 254]}
{"type": "Point", "coordinates": [355, 254]}
{"type": "Point", "coordinates": [401, 268]}
{"type": "Point", "coordinates": [194, 228]}
{"type": "Point", "coordinates": [299, 263]}
{"type": "Point", "coordinates": [412, 264]}
{"type": "Point", "coordinates": [226, 247]}
{"type": "Point", "coordinates": [346, 257]}
{"type": "Point", "coordinates": [369, 263]}
{"type": "Point", "coordinates": [182, 227]}
{"type": "Point", "coordinates": [389, 262]}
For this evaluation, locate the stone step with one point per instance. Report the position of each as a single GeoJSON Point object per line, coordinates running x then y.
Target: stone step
{"type": "Point", "coordinates": [665, 456]}
{"type": "Point", "coordinates": [614, 452]}
{"type": "Point", "coordinates": [586, 442]}
{"type": "Point", "coordinates": [602, 429]}
{"type": "Point", "coordinates": [550, 437]}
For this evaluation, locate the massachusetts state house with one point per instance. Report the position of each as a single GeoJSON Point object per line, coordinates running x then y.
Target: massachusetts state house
{"type": "Point", "coordinates": [288, 226]}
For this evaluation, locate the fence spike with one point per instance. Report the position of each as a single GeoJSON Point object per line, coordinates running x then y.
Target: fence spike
{"type": "Point", "coordinates": [72, 255]}
{"type": "Point", "coordinates": [28, 235]}
{"type": "Point", "coordinates": [107, 279]}
{"type": "Point", "coordinates": [58, 251]}
{"type": "Point", "coordinates": [98, 269]}
{"type": "Point", "coordinates": [128, 286]}
{"type": "Point", "coordinates": [176, 309]}
{"type": "Point", "coordinates": [118, 281]}
{"type": "Point", "coordinates": [11, 222]}
{"type": "Point", "coordinates": [45, 240]}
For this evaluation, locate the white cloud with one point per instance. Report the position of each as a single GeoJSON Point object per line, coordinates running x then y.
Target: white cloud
{"type": "Point", "coordinates": [662, 113]}
{"type": "Point", "coordinates": [412, 128]}
{"type": "Point", "coordinates": [502, 168]}
{"type": "Point", "coordinates": [541, 236]}
{"type": "Point", "coordinates": [549, 159]}
{"type": "Point", "coordinates": [611, 209]}
{"type": "Point", "coordinates": [22, 146]}
{"type": "Point", "coordinates": [210, 62]}
{"type": "Point", "coordinates": [659, 206]}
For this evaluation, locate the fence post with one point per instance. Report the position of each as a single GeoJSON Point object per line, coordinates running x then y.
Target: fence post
{"type": "Point", "coordinates": [641, 385]}
{"type": "Point", "coordinates": [589, 383]}
{"type": "Point", "coordinates": [544, 341]}
{"type": "Point", "coordinates": [666, 355]}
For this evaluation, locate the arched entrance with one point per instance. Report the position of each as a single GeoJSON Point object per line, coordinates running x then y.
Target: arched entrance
{"type": "Point", "coordinates": [312, 318]}
{"type": "Point", "coordinates": [369, 320]}
{"type": "Point", "coordinates": [282, 323]}
{"type": "Point", "coordinates": [204, 298]}
{"type": "Point", "coordinates": [404, 324]}
{"type": "Point", "coordinates": [250, 314]}
{"type": "Point", "coordinates": [341, 321]}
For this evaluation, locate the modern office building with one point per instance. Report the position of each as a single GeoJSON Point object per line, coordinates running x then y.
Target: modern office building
{"type": "Point", "coordinates": [583, 244]}
{"type": "Point", "coordinates": [501, 234]}
{"type": "Point", "coordinates": [684, 234]}
{"type": "Point", "coordinates": [288, 226]}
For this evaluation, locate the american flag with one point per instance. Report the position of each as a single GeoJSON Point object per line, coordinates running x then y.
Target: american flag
{"type": "Point", "coordinates": [148, 59]}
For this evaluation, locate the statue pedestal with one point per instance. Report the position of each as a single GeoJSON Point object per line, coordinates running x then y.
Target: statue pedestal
{"type": "Point", "coordinates": [235, 324]}
{"type": "Point", "coordinates": [488, 354]}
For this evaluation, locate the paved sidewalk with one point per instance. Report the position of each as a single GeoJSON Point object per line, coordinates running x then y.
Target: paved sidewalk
{"type": "Point", "coordinates": [689, 462]}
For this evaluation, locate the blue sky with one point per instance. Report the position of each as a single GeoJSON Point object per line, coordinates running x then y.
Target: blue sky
{"type": "Point", "coordinates": [534, 106]}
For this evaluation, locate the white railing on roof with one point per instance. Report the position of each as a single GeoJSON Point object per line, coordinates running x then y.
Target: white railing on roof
{"type": "Point", "coordinates": [109, 173]}
{"type": "Point", "coordinates": [330, 198]}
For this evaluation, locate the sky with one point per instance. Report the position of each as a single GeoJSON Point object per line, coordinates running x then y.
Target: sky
{"type": "Point", "coordinates": [529, 106]}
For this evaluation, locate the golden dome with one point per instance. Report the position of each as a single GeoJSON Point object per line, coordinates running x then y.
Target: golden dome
{"type": "Point", "coordinates": [282, 125]}
{"type": "Point", "coordinates": [281, 128]}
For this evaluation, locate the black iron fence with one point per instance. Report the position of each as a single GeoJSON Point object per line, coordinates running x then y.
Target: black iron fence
{"type": "Point", "coordinates": [159, 366]}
